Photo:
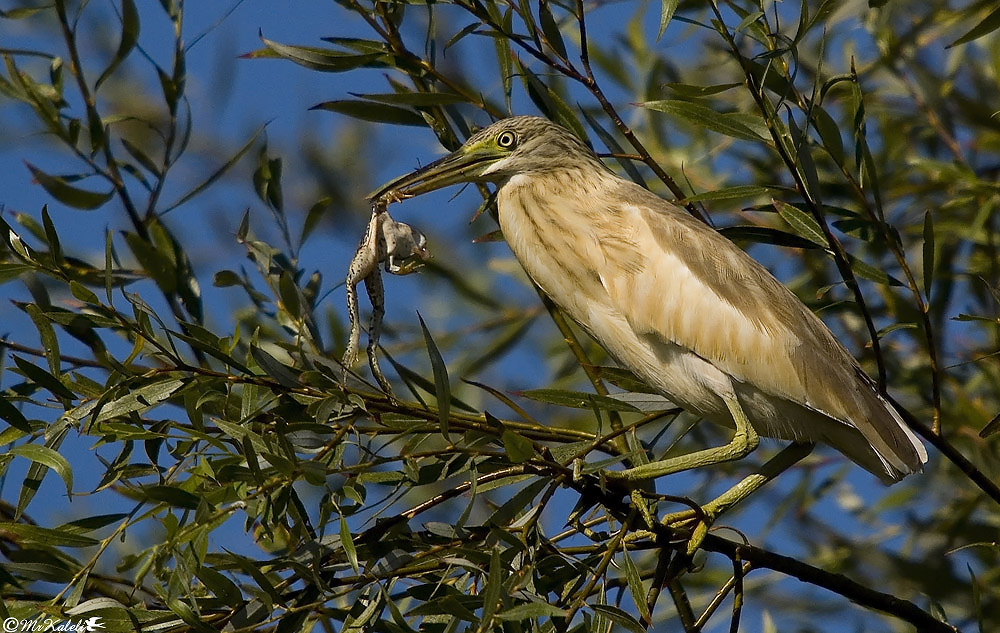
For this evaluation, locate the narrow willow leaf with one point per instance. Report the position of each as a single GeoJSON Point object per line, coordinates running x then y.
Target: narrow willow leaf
{"type": "Point", "coordinates": [43, 378]}
{"type": "Point", "coordinates": [667, 9]}
{"type": "Point", "coordinates": [218, 173]}
{"type": "Point", "coordinates": [129, 38]}
{"type": "Point", "coordinates": [67, 194]}
{"type": "Point", "coordinates": [693, 91]}
{"type": "Point", "coordinates": [992, 427]}
{"type": "Point", "coordinates": [705, 117]}
{"type": "Point", "coordinates": [519, 449]}
{"type": "Point", "coordinates": [577, 399]}
{"type": "Point", "coordinates": [12, 416]}
{"type": "Point", "coordinates": [47, 334]}
{"type": "Point", "coordinates": [48, 458]}
{"type": "Point", "coordinates": [733, 193]}
{"type": "Point", "coordinates": [222, 587]}
{"type": "Point", "coordinates": [619, 617]}
{"type": "Point", "coordinates": [986, 26]}
{"type": "Point", "coordinates": [550, 29]}
{"type": "Point", "coordinates": [347, 541]}
{"type": "Point", "coordinates": [171, 496]}
{"type": "Point", "coordinates": [634, 581]}
{"type": "Point", "coordinates": [767, 235]}
{"type": "Point", "coordinates": [928, 254]}
{"type": "Point", "coordinates": [285, 376]}
{"type": "Point", "coordinates": [414, 99]}
{"type": "Point", "coordinates": [492, 590]}
{"type": "Point", "coordinates": [442, 386]}
{"type": "Point", "coordinates": [52, 237]}
{"type": "Point", "coordinates": [314, 58]}
{"type": "Point", "coordinates": [372, 111]}
{"type": "Point", "coordinates": [47, 536]}
{"type": "Point", "coordinates": [804, 225]}
{"type": "Point", "coordinates": [139, 399]}
{"type": "Point", "coordinates": [829, 132]}
{"type": "Point", "coordinates": [531, 611]}
{"type": "Point", "coordinates": [895, 326]}
{"type": "Point", "coordinates": [866, 271]}
{"type": "Point", "coordinates": [160, 267]}
{"type": "Point", "coordinates": [141, 157]}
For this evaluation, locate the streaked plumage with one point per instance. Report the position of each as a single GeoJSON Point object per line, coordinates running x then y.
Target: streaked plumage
{"type": "Point", "coordinates": [671, 299]}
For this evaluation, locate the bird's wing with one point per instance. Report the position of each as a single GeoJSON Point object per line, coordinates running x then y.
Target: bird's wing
{"type": "Point", "coordinates": [691, 286]}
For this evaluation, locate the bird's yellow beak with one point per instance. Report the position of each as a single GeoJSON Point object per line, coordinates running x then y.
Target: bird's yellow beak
{"type": "Point", "coordinates": [466, 164]}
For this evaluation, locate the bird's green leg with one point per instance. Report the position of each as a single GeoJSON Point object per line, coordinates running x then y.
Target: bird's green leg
{"type": "Point", "coordinates": [750, 484]}
{"type": "Point", "coordinates": [744, 441]}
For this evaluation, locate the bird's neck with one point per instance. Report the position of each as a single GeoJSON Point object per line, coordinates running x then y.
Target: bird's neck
{"type": "Point", "coordinates": [553, 223]}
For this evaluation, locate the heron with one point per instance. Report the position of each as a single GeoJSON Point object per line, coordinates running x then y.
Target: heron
{"type": "Point", "coordinates": [676, 303]}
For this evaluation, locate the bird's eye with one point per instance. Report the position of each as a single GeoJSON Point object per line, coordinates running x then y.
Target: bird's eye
{"type": "Point", "coordinates": [506, 140]}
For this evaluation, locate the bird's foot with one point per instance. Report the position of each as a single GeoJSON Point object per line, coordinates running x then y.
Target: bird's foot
{"type": "Point", "coordinates": [696, 520]}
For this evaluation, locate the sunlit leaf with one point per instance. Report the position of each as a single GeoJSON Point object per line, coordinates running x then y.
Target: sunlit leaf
{"type": "Point", "coordinates": [703, 116]}
{"type": "Point", "coordinates": [372, 111]}
{"type": "Point", "coordinates": [69, 195]}
{"type": "Point", "coordinates": [442, 386]}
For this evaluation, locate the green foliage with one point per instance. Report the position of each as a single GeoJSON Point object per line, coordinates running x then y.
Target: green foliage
{"type": "Point", "coordinates": [256, 485]}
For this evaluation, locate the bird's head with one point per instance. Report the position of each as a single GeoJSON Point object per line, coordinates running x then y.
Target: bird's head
{"type": "Point", "coordinates": [509, 147]}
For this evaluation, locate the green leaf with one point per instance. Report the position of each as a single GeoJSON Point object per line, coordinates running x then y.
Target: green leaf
{"type": "Point", "coordinates": [550, 28]}
{"type": "Point", "coordinates": [492, 590]}
{"type": "Point", "coordinates": [141, 157]}
{"type": "Point", "coordinates": [290, 295]}
{"type": "Point", "coordinates": [804, 225]}
{"type": "Point", "coordinates": [624, 379]}
{"type": "Point", "coordinates": [865, 271]}
{"type": "Point", "coordinates": [667, 8]}
{"type": "Point", "coordinates": [43, 378]}
{"type": "Point", "coordinates": [734, 193]}
{"type": "Point", "coordinates": [635, 585]}
{"type": "Point", "coordinates": [55, 249]}
{"type": "Point", "coordinates": [284, 375]}
{"type": "Point", "coordinates": [619, 617]}
{"type": "Point", "coordinates": [226, 278]}
{"type": "Point", "coordinates": [442, 386]}
{"type": "Point", "coordinates": [987, 25]}
{"type": "Point", "coordinates": [223, 588]}
{"type": "Point", "coordinates": [156, 263]}
{"type": "Point", "coordinates": [130, 36]}
{"type": "Point", "coordinates": [12, 416]}
{"type": "Point", "coordinates": [47, 334]}
{"type": "Point", "coordinates": [315, 58]}
{"type": "Point", "coordinates": [172, 496]}
{"type": "Point", "coordinates": [218, 173]}
{"type": "Point", "coordinates": [371, 111]}
{"type": "Point", "coordinates": [47, 536]}
{"type": "Point", "coordinates": [139, 399]}
{"type": "Point", "coordinates": [703, 116]}
{"type": "Point", "coordinates": [928, 253]}
{"type": "Point", "coordinates": [531, 611]}
{"type": "Point", "coordinates": [693, 91]}
{"type": "Point", "coordinates": [414, 99]}
{"type": "Point", "coordinates": [767, 235]}
{"type": "Point", "coordinates": [67, 194]}
{"type": "Point", "coordinates": [992, 427]}
{"type": "Point", "coordinates": [347, 541]}
{"type": "Point", "coordinates": [518, 448]}
{"type": "Point", "coordinates": [48, 458]}
{"type": "Point", "coordinates": [577, 399]}
{"type": "Point", "coordinates": [829, 132]}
